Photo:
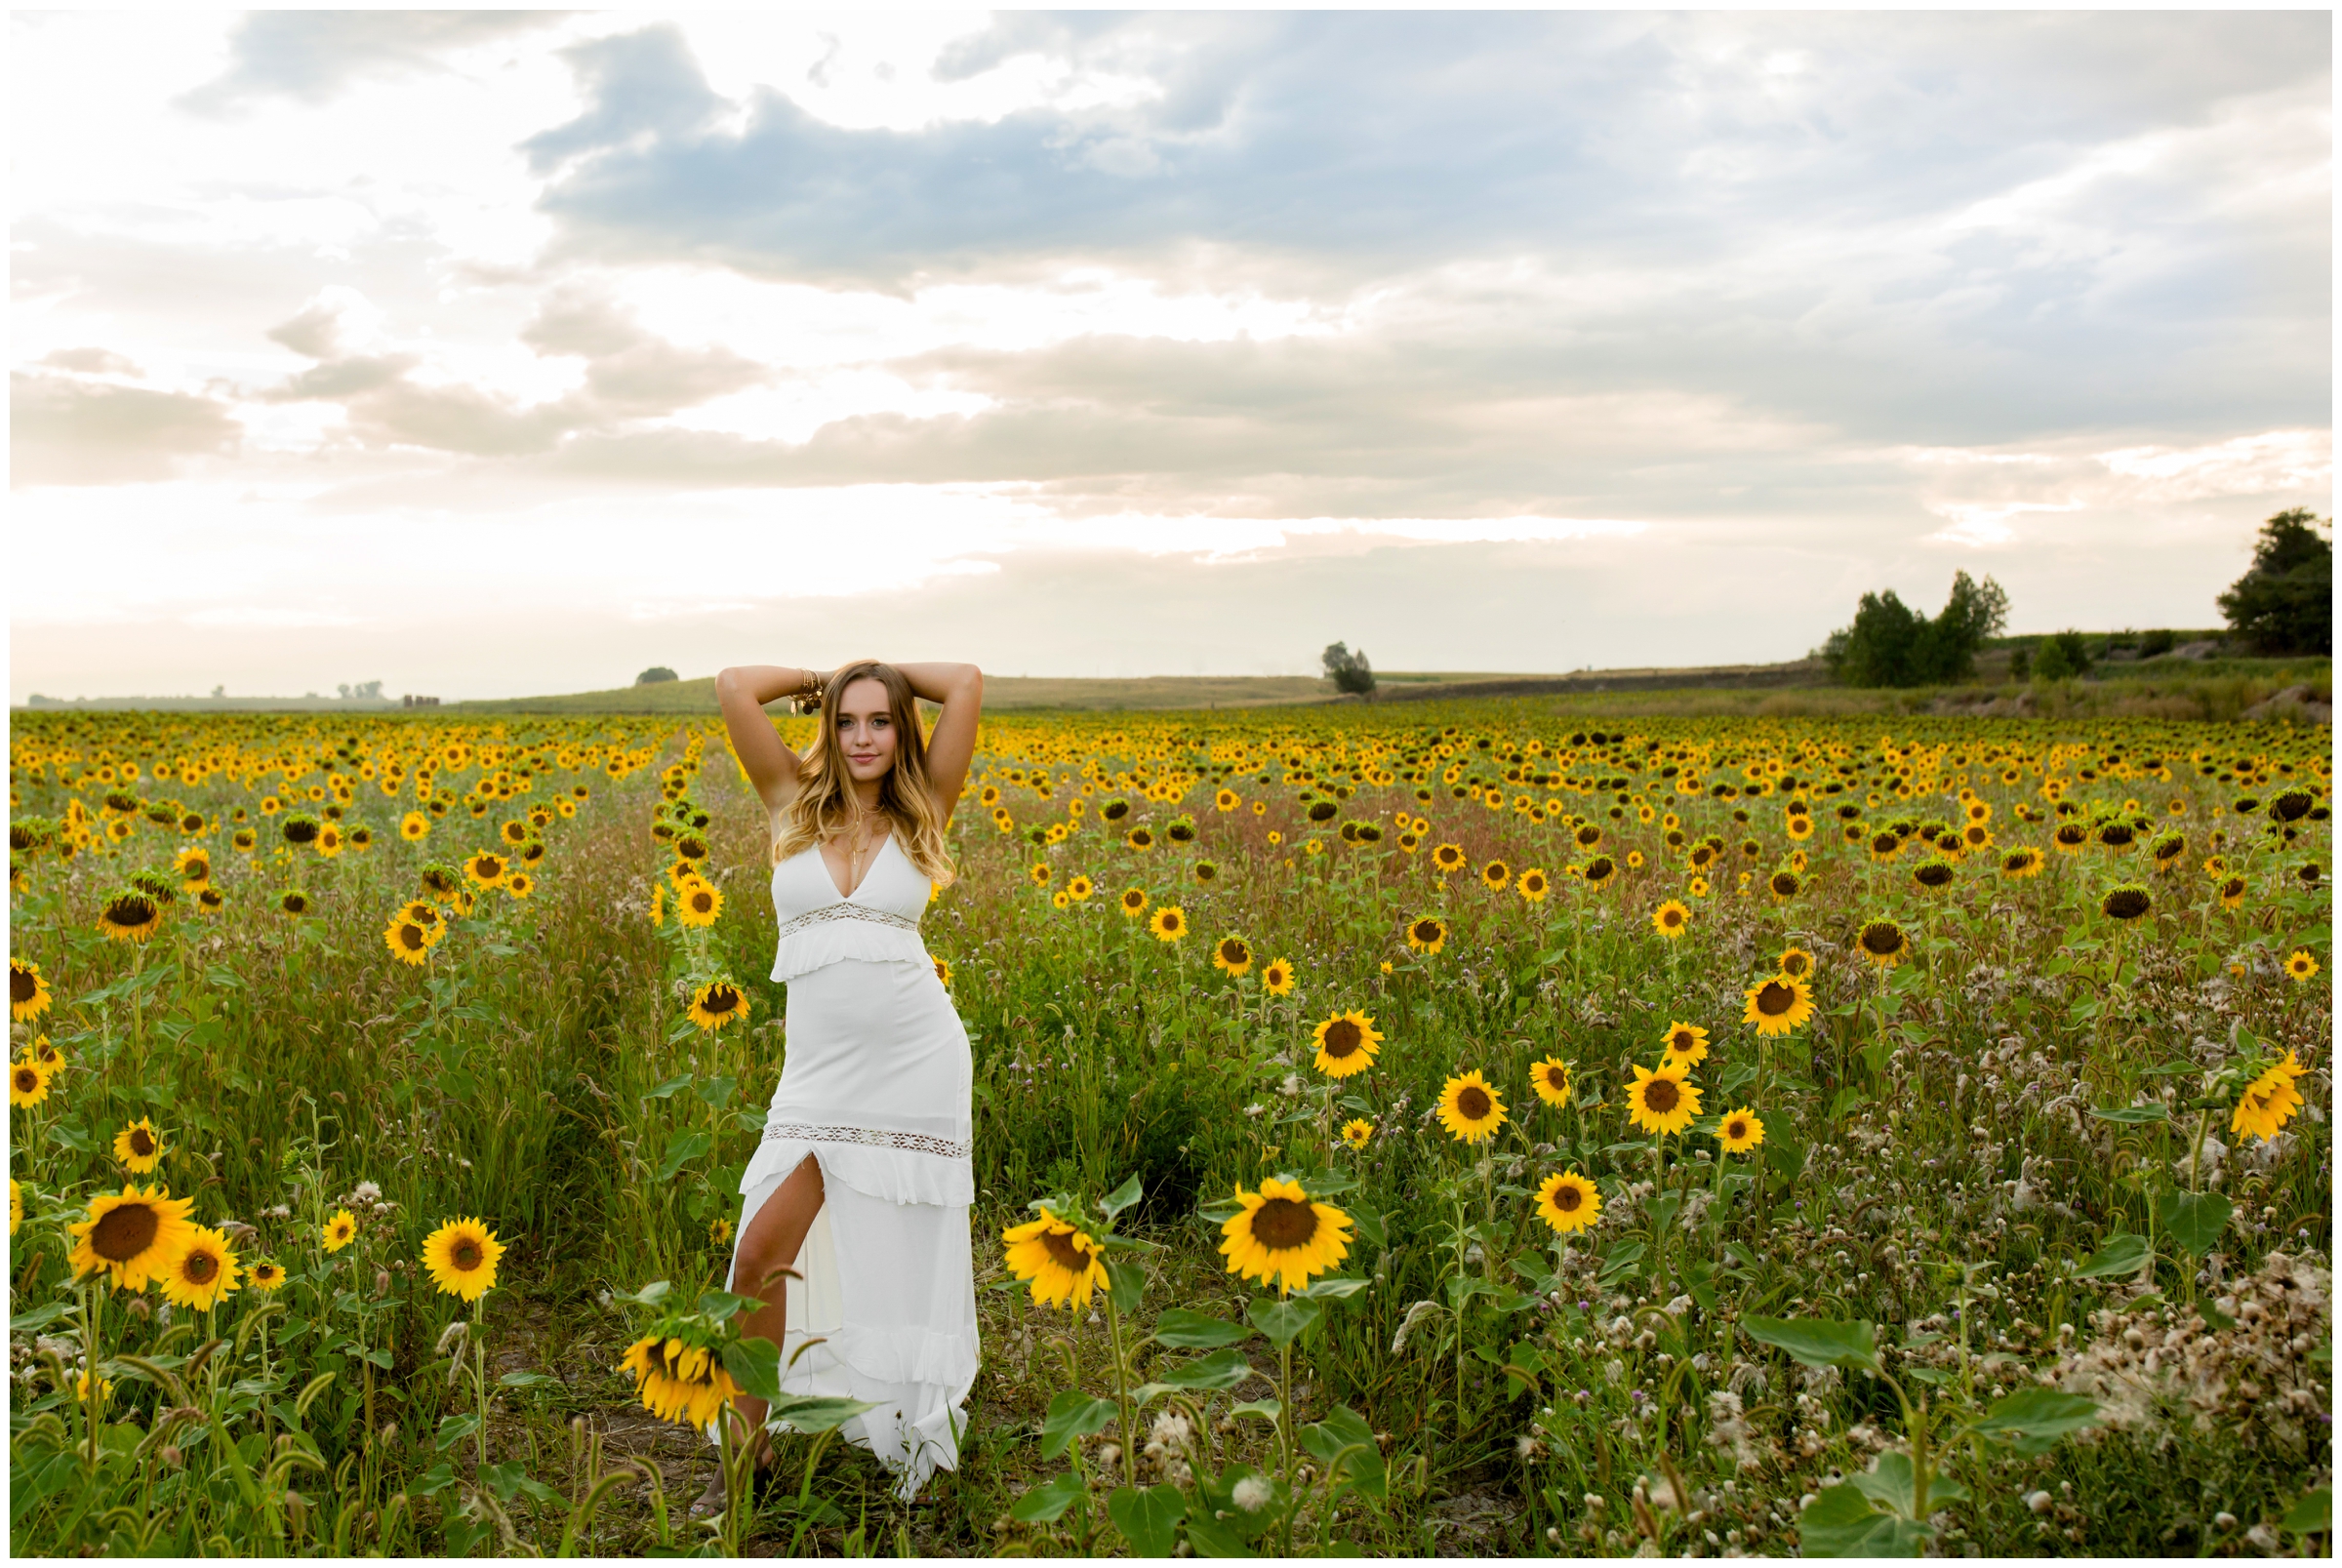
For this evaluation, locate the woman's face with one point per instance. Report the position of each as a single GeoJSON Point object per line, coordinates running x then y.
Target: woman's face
{"type": "Point", "coordinates": [866, 731]}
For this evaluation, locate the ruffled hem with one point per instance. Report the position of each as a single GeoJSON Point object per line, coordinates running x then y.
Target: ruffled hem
{"type": "Point", "coordinates": [898, 1176]}
{"type": "Point", "coordinates": [804, 952]}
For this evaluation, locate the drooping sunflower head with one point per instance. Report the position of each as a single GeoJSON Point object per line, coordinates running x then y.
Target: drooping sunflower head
{"type": "Point", "coordinates": [1884, 943]}
{"type": "Point", "coordinates": [293, 901]}
{"type": "Point", "coordinates": [1059, 1258]}
{"type": "Point", "coordinates": [1552, 1081]}
{"type": "Point", "coordinates": [1568, 1202]}
{"type": "Point", "coordinates": [131, 1236]}
{"type": "Point", "coordinates": [1784, 885]}
{"type": "Point", "coordinates": [679, 1374]}
{"type": "Point", "coordinates": [2019, 863]}
{"type": "Point", "coordinates": [1346, 1044]}
{"type": "Point", "coordinates": [2126, 902]}
{"type": "Point", "coordinates": [717, 1003]}
{"type": "Point", "coordinates": [1934, 875]}
{"type": "Point", "coordinates": [1469, 1108]}
{"type": "Point", "coordinates": [1284, 1235]}
{"type": "Point", "coordinates": [462, 1257]}
{"type": "Point", "coordinates": [130, 915]}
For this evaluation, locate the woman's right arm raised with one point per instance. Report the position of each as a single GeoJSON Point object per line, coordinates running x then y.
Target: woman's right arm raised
{"type": "Point", "coordinates": [742, 691]}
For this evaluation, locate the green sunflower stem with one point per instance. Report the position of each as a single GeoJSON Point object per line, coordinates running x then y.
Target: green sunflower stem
{"type": "Point", "coordinates": [1284, 1422]}
{"type": "Point", "coordinates": [1659, 1231]}
{"type": "Point", "coordinates": [1114, 1330]}
{"type": "Point", "coordinates": [92, 1305]}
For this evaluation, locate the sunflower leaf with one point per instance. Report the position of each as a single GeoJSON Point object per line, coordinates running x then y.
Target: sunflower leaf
{"type": "Point", "coordinates": [1121, 1197]}
{"type": "Point", "coordinates": [812, 1413]}
{"type": "Point", "coordinates": [1186, 1330]}
{"type": "Point", "coordinates": [2132, 1115]}
{"type": "Point", "coordinates": [1072, 1414]}
{"type": "Point", "coordinates": [681, 1150]}
{"type": "Point", "coordinates": [2032, 1421]}
{"type": "Point", "coordinates": [2122, 1254]}
{"type": "Point", "coordinates": [675, 1085]}
{"type": "Point", "coordinates": [1216, 1373]}
{"type": "Point", "coordinates": [1817, 1342]}
{"type": "Point", "coordinates": [1283, 1321]}
{"type": "Point", "coordinates": [2195, 1220]}
{"type": "Point", "coordinates": [651, 1295]}
{"type": "Point", "coordinates": [1149, 1520]}
{"type": "Point", "coordinates": [1333, 1288]}
{"type": "Point", "coordinates": [1126, 1286]}
{"type": "Point", "coordinates": [755, 1365]}
{"type": "Point", "coordinates": [1048, 1502]}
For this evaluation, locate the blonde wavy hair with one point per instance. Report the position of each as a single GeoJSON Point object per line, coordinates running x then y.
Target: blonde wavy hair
{"type": "Point", "coordinates": [823, 805]}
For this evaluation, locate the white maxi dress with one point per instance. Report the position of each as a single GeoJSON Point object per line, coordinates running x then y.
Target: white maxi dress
{"type": "Point", "coordinates": [875, 1087]}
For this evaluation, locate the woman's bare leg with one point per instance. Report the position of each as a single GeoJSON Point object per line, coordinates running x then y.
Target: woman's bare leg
{"type": "Point", "coordinates": [770, 1243]}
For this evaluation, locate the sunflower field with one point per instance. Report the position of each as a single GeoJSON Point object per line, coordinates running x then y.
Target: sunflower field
{"type": "Point", "coordinates": [1433, 1129]}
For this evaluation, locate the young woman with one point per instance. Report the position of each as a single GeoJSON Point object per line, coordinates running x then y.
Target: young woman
{"type": "Point", "coordinates": [863, 1181]}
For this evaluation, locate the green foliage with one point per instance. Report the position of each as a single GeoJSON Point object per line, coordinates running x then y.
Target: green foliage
{"type": "Point", "coordinates": [1349, 672]}
{"type": "Point", "coordinates": [2285, 603]}
{"type": "Point", "coordinates": [1891, 644]}
{"type": "Point", "coordinates": [2064, 656]}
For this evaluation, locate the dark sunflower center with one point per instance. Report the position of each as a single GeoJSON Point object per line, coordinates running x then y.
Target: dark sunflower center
{"type": "Point", "coordinates": [1472, 1102]}
{"type": "Point", "coordinates": [702, 903]}
{"type": "Point", "coordinates": [199, 1268]}
{"type": "Point", "coordinates": [27, 1080]}
{"type": "Point", "coordinates": [1556, 1078]}
{"type": "Point", "coordinates": [1736, 1130]}
{"type": "Point", "coordinates": [1681, 1041]}
{"type": "Point", "coordinates": [1281, 1223]}
{"type": "Point", "coordinates": [1568, 1199]}
{"type": "Point", "coordinates": [722, 999]}
{"type": "Point", "coordinates": [1785, 884]}
{"type": "Point", "coordinates": [1882, 939]}
{"type": "Point", "coordinates": [21, 984]}
{"type": "Point", "coordinates": [410, 937]}
{"type": "Point", "coordinates": [1342, 1038]}
{"type": "Point", "coordinates": [465, 1255]}
{"type": "Point", "coordinates": [1673, 917]}
{"type": "Point", "coordinates": [125, 1231]}
{"type": "Point", "coordinates": [1170, 921]}
{"type": "Point", "coordinates": [142, 1141]}
{"type": "Point", "coordinates": [1427, 931]}
{"type": "Point", "coordinates": [1063, 1252]}
{"type": "Point", "coordinates": [1234, 951]}
{"type": "Point", "coordinates": [1661, 1095]}
{"type": "Point", "coordinates": [1775, 999]}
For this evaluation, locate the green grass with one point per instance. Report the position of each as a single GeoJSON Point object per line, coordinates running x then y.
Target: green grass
{"type": "Point", "coordinates": [540, 1072]}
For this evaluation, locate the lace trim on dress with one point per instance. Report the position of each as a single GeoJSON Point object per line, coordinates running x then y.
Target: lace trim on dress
{"type": "Point", "coordinates": [912, 1142]}
{"type": "Point", "coordinates": [845, 911]}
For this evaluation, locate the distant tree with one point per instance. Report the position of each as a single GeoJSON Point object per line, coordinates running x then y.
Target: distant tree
{"type": "Point", "coordinates": [2285, 603]}
{"type": "Point", "coordinates": [2020, 663]}
{"type": "Point", "coordinates": [1349, 671]}
{"type": "Point", "coordinates": [2156, 644]}
{"type": "Point", "coordinates": [1891, 644]}
{"type": "Point", "coordinates": [370, 690]}
{"type": "Point", "coordinates": [655, 674]}
{"type": "Point", "coordinates": [2064, 656]}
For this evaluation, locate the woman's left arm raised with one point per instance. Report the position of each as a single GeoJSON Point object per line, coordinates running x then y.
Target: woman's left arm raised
{"type": "Point", "coordinates": [952, 744]}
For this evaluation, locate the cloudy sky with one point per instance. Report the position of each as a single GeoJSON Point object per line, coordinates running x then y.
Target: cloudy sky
{"type": "Point", "coordinates": [495, 354]}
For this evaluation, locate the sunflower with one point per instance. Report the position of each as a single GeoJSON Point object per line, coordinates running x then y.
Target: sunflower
{"type": "Point", "coordinates": [1598, 872]}
{"type": "Point", "coordinates": [2021, 862]}
{"type": "Point", "coordinates": [1884, 943]}
{"type": "Point", "coordinates": [717, 1003]}
{"type": "Point", "coordinates": [1784, 885]}
{"type": "Point", "coordinates": [1568, 1202]}
{"type": "Point", "coordinates": [409, 939]}
{"type": "Point", "coordinates": [1448, 858]}
{"type": "Point", "coordinates": [2070, 838]}
{"type": "Point", "coordinates": [679, 1381]}
{"type": "Point", "coordinates": [1671, 919]}
{"type": "Point", "coordinates": [2125, 904]}
{"type": "Point", "coordinates": [2267, 1105]}
{"type": "Point", "coordinates": [1550, 1079]}
{"type": "Point", "coordinates": [657, 910]}
{"type": "Point", "coordinates": [193, 865]}
{"type": "Point", "coordinates": [1661, 1102]}
{"type": "Point", "coordinates": [1346, 1044]}
{"type": "Point", "coordinates": [1134, 902]}
{"type": "Point", "coordinates": [27, 993]}
{"type": "Point", "coordinates": [267, 1276]}
{"type": "Point", "coordinates": [1060, 1258]}
{"type": "Point", "coordinates": [1778, 1005]}
{"type": "Point", "coordinates": [28, 1083]}
{"type": "Point", "coordinates": [1283, 1235]}
{"type": "Point", "coordinates": [1140, 838]}
{"type": "Point", "coordinates": [1739, 1131]}
{"type": "Point", "coordinates": [200, 1272]}
{"type": "Point", "coordinates": [1934, 875]}
{"type": "Point", "coordinates": [1357, 1131]}
{"type": "Point", "coordinates": [1686, 1045]}
{"type": "Point", "coordinates": [131, 1236]}
{"type": "Point", "coordinates": [1796, 963]}
{"type": "Point", "coordinates": [1495, 874]}
{"type": "Point", "coordinates": [414, 826]}
{"type": "Point", "coordinates": [1040, 874]}
{"type": "Point", "coordinates": [2300, 966]}
{"type": "Point", "coordinates": [486, 868]}
{"type": "Point", "coordinates": [130, 915]}
{"type": "Point", "coordinates": [139, 1147]}
{"type": "Point", "coordinates": [1233, 955]}
{"type": "Point", "coordinates": [1168, 923]}
{"type": "Point", "coordinates": [1080, 889]}
{"type": "Point", "coordinates": [698, 904]}
{"type": "Point", "coordinates": [1533, 886]}
{"type": "Point", "coordinates": [1800, 827]}
{"type": "Point", "coordinates": [2232, 893]}
{"type": "Point", "coordinates": [293, 901]}
{"type": "Point", "coordinates": [1427, 934]}
{"type": "Point", "coordinates": [15, 1206]}
{"type": "Point", "coordinates": [520, 884]}
{"type": "Point", "coordinates": [1469, 1108]}
{"type": "Point", "coordinates": [1278, 979]}
{"type": "Point", "coordinates": [340, 1229]}
{"type": "Point", "coordinates": [461, 1256]}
